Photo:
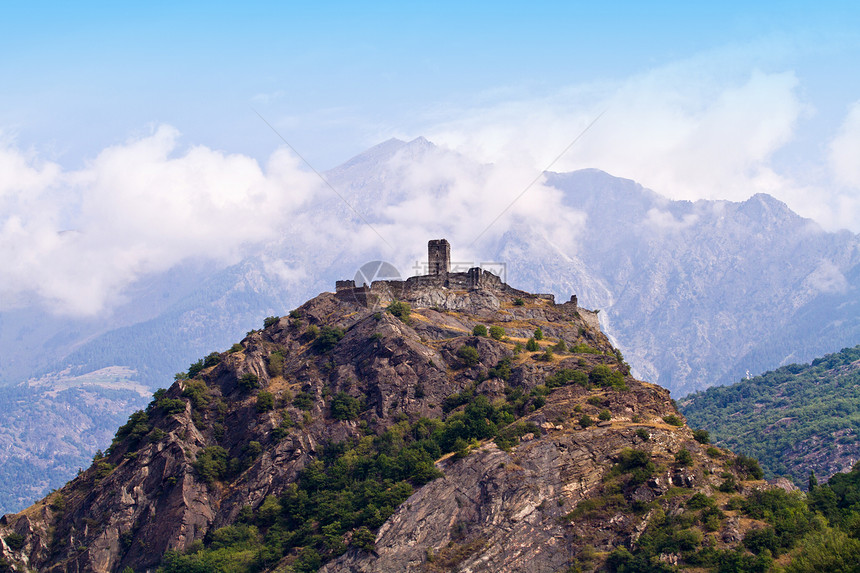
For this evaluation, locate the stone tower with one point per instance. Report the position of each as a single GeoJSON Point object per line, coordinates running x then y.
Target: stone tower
{"type": "Point", "coordinates": [439, 257]}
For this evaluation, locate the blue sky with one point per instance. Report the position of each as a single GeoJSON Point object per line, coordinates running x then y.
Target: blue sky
{"type": "Point", "coordinates": [338, 77]}
{"type": "Point", "coordinates": [120, 119]}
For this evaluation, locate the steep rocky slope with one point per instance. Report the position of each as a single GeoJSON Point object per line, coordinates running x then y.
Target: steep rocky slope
{"type": "Point", "coordinates": [475, 453]}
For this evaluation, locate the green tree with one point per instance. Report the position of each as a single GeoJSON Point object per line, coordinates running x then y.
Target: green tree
{"type": "Point", "coordinates": [497, 332]}
{"type": "Point", "coordinates": [538, 334]}
{"type": "Point", "coordinates": [532, 345]}
{"type": "Point", "coordinates": [479, 330]}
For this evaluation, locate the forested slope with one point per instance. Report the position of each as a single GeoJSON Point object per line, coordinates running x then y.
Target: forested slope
{"type": "Point", "coordinates": [796, 419]}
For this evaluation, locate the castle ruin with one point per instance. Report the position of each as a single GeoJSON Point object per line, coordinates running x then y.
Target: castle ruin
{"type": "Point", "coordinates": [441, 288]}
{"type": "Point", "coordinates": [439, 257]}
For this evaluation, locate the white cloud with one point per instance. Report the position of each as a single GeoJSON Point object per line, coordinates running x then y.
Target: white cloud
{"type": "Point", "coordinates": [658, 221]}
{"type": "Point", "coordinates": [137, 208]}
{"type": "Point", "coordinates": [844, 151]}
{"type": "Point", "coordinates": [684, 130]}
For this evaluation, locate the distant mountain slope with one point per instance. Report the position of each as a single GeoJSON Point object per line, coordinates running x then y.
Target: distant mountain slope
{"type": "Point", "coordinates": [51, 429]}
{"type": "Point", "coordinates": [796, 419]}
{"type": "Point", "coordinates": [698, 293]}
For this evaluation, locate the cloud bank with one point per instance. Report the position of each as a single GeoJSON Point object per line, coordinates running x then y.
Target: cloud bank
{"type": "Point", "coordinates": [75, 239]}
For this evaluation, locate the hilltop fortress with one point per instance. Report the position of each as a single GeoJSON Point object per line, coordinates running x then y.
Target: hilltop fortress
{"type": "Point", "coordinates": [442, 289]}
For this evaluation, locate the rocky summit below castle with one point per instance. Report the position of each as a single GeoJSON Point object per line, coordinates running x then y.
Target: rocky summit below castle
{"type": "Point", "coordinates": [443, 423]}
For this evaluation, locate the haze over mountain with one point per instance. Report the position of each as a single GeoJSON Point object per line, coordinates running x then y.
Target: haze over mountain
{"type": "Point", "coordinates": [694, 293]}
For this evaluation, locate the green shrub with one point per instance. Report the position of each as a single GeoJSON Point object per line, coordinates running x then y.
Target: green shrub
{"type": "Point", "coordinates": [673, 420]}
{"type": "Point", "coordinates": [583, 349]}
{"type": "Point", "coordinates": [237, 347]}
{"type": "Point", "coordinates": [197, 393]}
{"type": "Point", "coordinates": [211, 359]}
{"type": "Point", "coordinates": [501, 370]}
{"type": "Point", "coordinates": [532, 345]}
{"type": "Point", "coordinates": [713, 452]}
{"type": "Point", "coordinates": [510, 436]}
{"type": "Point", "coordinates": [748, 466]}
{"type": "Point", "coordinates": [538, 334]}
{"type": "Point", "coordinates": [643, 434]}
{"type": "Point", "coordinates": [270, 320]}
{"type": "Point", "coordinates": [304, 401]}
{"type": "Point", "coordinates": [328, 337]}
{"type": "Point", "coordinates": [729, 485]}
{"type": "Point", "coordinates": [15, 541]}
{"type": "Point", "coordinates": [401, 310]}
{"type": "Point", "coordinates": [604, 416]}
{"type": "Point", "coordinates": [683, 457]}
{"type": "Point", "coordinates": [275, 363]}
{"type": "Point", "coordinates": [560, 347]}
{"type": "Point", "coordinates": [136, 428]}
{"type": "Point", "coordinates": [212, 463]}
{"type": "Point", "coordinates": [344, 407]}
{"type": "Point", "coordinates": [567, 376]}
{"type": "Point", "coordinates": [827, 550]}
{"type": "Point", "coordinates": [586, 421]}
{"type": "Point", "coordinates": [195, 368]}
{"type": "Point", "coordinates": [363, 539]}
{"type": "Point", "coordinates": [249, 381]}
{"type": "Point", "coordinates": [156, 435]}
{"type": "Point", "coordinates": [547, 356]}
{"type": "Point", "coordinates": [702, 436]}
{"type": "Point", "coordinates": [312, 332]}
{"type": "Point", "coordinates": [519, 302]}
{"type": "Point", "coordinates": [603, 376]}
{"type": "Point", "coordinates": [265, 401]}
{"type": "Point", "coordinates": [700, 501]}
{"type": "Point", "coordinates": [637, 463]}
{"type": "Point", "coordinates": [171, 405]}
{"type": "Point", "coordinates": [468, 355]}
{"type": "Point", "coordinates": [479, 330]}
{"type": "Point", "coordinates": [497, 332]}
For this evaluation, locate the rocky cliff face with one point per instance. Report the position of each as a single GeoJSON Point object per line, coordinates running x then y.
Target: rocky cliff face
{"type": "Point", "coordinates": [578, 443]}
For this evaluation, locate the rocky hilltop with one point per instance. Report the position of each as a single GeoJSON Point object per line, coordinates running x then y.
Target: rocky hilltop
{"type": "Point", "coordinates": [446, 422]}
